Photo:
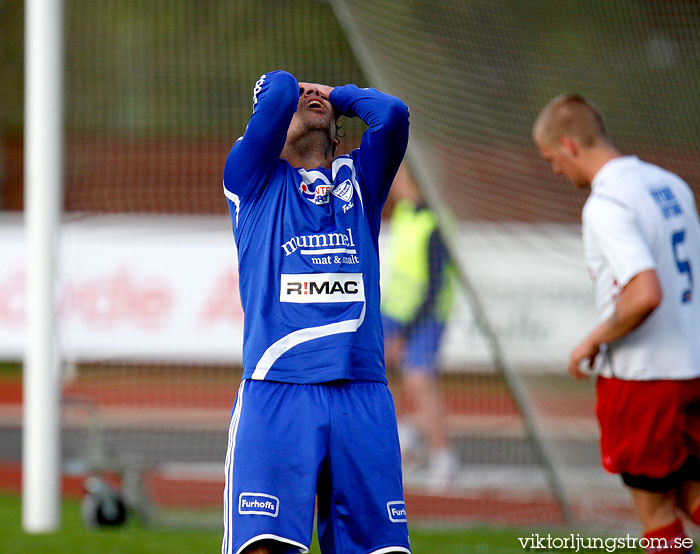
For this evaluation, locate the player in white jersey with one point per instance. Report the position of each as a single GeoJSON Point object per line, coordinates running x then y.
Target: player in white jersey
{"type": "Point", "coordinates": [641, 239]}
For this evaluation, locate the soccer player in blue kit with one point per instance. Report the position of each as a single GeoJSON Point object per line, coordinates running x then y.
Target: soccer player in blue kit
{"type": "Point", "coordinates": [313, 417]}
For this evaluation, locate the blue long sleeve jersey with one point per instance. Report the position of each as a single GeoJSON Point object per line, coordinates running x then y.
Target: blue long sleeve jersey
{"type": "Point", "coordinates": [308, 239]}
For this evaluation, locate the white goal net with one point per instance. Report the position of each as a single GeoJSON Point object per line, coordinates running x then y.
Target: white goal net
{"type": "Point", "coordinates": [149, 321]}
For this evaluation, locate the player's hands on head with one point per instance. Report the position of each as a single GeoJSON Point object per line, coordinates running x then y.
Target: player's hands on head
{"type": "Point", "coordinates": [324, 90]}
{"type": "Point", "coordinates": [582, 359]}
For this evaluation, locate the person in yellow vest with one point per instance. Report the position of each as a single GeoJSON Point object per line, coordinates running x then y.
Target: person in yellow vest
{"type": "Point", "coordinates": [416, 301]}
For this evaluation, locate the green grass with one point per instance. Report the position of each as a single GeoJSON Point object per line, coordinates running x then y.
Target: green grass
{"type": "Point", "coordinates": [133, 538]}
{"type": "Point", "coordinates": [10, 368]}
{"type": "Point", "coordinates": [74, 537]}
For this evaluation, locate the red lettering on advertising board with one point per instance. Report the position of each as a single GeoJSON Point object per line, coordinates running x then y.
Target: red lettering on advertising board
{"type": "Point", "coordinates": [107, 301]}
{"type": "Point", "coordinates": [224, 302]}
{"type": "Point", "coordinates": [12, 294]}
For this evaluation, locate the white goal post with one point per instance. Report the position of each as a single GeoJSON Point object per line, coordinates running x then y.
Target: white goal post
{"type": "Point", "coordinates": [43, 182]}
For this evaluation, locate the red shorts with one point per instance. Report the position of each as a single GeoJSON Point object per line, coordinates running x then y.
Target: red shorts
{"type": "Point", "coordinates": [648, 427]}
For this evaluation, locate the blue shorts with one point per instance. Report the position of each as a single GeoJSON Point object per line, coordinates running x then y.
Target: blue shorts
{"type": "Point", "coordinates": [422, 343]}
{"type": "Point", "coordinates": [289, 443]}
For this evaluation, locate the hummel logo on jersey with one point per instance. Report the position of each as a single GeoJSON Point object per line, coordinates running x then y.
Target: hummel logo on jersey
{"type": "Point", "coordinates": [321, 243]}
{"type": "Point", "coordinates": [258, 503]}
{"type": "Point", "coordinates": [308, 288]}
{"type": "Point", "coordinates": [397, 511]}
{"type": "Point", "coordinates": [258, 87]}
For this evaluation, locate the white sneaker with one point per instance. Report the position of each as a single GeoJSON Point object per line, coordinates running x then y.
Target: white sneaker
{"type": "Point", "coordinates": [411, 452]}
{"type": "Point", "coordinates": [443, 469]}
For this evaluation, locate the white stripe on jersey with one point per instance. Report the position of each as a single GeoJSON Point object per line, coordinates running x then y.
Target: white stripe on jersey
{"type": "Point", "coordinates": [299, 336]}
{"type": "Point", "coordinates": [227, 543]}
{"type": "Point", "coordinates": [235, 199]}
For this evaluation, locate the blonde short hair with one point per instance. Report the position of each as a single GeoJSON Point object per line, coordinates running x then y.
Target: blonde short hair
{"type": "Point", "coordinates": [570, 115]}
